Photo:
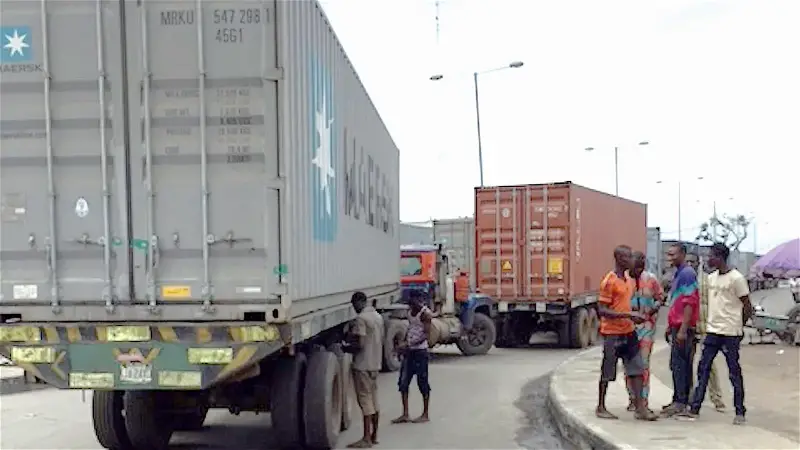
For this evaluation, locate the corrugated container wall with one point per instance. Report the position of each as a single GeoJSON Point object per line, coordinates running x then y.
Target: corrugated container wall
{"type": "Point", "coordinates": [356, 244]}
{"type": "Point", "coordinates": [458, 237]}
{"type": "Point", "coordinates": [415, 234]}
{"type": "Point", "coordinates": [62, 132]}
{"type": "Point", "coordinates": [550, 241]}
{"type": "Point", "coordinates": [259, 169]}
{"type": "Point", "coordinates": [654, 252]}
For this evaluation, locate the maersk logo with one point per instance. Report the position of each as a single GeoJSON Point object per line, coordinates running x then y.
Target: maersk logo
{"type": "Point", "coordinates": [17, 44]}
{"type": "Point", "coordinates": [324, 162]}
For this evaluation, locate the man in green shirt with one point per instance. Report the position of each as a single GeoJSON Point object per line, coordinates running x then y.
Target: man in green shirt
{"type": "Point", "coordinates": [714, 389]}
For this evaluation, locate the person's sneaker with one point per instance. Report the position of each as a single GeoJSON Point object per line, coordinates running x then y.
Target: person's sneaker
{"type": "Point", "coordinates": [687, 415]}
{"type": "Point", "coordinates": [672, 410]}
{"type": "Point", "coordinates": [739, 420]}
{"type": "Point", "coordinates": [720, 407]}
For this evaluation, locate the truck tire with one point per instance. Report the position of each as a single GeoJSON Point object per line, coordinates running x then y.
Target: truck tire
{"type": "Point", "coordinates": [322, 406]}
{"type": "Point", "coordinates": [108, 421]}
{"type": "Point", "coordinates": [148, 427]}
{"type": "Point", "coordinates": [395, 333]}
{"type": "Point", "coordinates": [579, 328]}
{"type": "Point", "coordinates": [190, 421]}
{"type": "Point", "coordinates": [594, 327]}
{"type": "Point", "coordinates": [286, 400]}
{"type": "Point", "coordinates": [480, 339]}
{"type": "Point", "coordinates": [345, 368]}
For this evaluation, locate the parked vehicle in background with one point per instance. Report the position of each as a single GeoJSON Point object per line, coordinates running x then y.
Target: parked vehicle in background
{"type": "Point", "coordinates": [542, 251]}
{"type": "Point", "coordinates": [191, 191]}
{"type": "Point", "coordinates": [461, 317]}
{"type": "Point", "coordinates": [654, 251]}
{"type": "Point", "coordinates": [458, 237]}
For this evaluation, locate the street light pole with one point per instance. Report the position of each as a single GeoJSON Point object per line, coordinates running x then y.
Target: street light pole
{"type": "Point", "coordinates": [616, 164]}
{"type": "Point", "coordinates": [478, 125]}
{"type": "Point", "coordinates": [680, 230]}
{"type": "Point", "coordinates": [616, 171]}
{"type": "Point", "coordinates": [512, 65]}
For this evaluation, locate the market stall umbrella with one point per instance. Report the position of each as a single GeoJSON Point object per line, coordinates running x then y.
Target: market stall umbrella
{"type": "Point", "coordinates": [782, 261]}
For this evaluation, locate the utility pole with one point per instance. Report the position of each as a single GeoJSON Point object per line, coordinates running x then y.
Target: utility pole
{"type": "Point", "coordinates": [714, 223]}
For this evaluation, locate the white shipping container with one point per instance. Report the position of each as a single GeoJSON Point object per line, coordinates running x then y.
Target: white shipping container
{"type": "Point", "coordinates": [654, 252]}
{"type": "Point", "coordinates": [415, 234]}
{"type": "Point", "coordinates": [246, 169]}
{"type": "Point", "coordinates": [458, 237]}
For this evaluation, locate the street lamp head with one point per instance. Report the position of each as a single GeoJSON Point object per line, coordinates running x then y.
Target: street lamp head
{"type": "Point", "coordinates": [589, 149]}
{"type": "Point", "coordinates": [659, 182]}
{"type": "Point", "coordinates": [516, 64]}
{"type": "Point", "coordinates": [644, 143]}
{"type": "Point", "coordinates": [436, 77]}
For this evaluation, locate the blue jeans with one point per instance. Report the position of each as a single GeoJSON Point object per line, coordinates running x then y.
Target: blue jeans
{"type": "Point", "coordinates": [729, 345]}
{"type": "Point", "coordinates": [681, 360]}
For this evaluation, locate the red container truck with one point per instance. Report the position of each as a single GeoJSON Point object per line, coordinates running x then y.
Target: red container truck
{"type": "Point", "coordinates": [541, 251]}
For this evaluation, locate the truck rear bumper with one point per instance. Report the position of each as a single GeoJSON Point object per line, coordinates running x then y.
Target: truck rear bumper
{"type": "Point", "coordinates": [130, 356]}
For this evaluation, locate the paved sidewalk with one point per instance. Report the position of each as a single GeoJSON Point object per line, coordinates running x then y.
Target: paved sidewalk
{"type": "Point", "coordinates": [772, 387]}
{"type": "Point", "coordinates": [573, 397]}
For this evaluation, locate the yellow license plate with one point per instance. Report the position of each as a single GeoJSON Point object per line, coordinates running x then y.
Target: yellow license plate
{"type": "Point", "coordinates": [129, 333]}
{"type": "Point", "coordinates": [20, 334]}
{"type": "Point", "coordinates": [176, 292]}
{"type": "Point", "coordinates": [33, 355]}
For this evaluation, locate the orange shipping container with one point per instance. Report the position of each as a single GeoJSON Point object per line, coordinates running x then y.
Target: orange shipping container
{"type": "Point", "coordinates": [551, 242]}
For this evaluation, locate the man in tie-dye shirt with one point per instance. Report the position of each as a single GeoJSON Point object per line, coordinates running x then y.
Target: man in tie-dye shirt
{"type": "Point", "coordinates": [682, 321]}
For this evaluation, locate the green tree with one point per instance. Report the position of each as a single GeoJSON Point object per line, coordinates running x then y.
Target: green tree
{"type": "Point", "coordinates": [726, 229]}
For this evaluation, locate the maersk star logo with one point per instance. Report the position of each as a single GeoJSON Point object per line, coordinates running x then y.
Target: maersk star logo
{"type": "Point", "coordinates": [16, 44]}
{"type": "Point", "coordinates": [323, 155]}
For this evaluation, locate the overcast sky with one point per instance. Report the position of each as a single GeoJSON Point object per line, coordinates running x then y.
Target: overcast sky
{"type": "Point", "coordinates": [714, 86]}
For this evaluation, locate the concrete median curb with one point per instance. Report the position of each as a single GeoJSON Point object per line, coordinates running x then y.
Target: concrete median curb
{"type": "Point", "coordinates": [572, 399]}
{"type": "Point", "coordinates": [571, 426]}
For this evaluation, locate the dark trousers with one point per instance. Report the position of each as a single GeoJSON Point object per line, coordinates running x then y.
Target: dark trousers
{"type": "Point", "coordinates": [681, 359]}
{"type": "Point", "coordinates": [415, 363]}
{"type": "Point", "coordinates": [729, 346]}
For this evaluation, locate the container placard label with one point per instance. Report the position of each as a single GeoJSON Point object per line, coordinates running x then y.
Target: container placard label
{"type": "Point", "coordinates": [555, 265]}
{"type": "Point", "coordinates": [506, 266]}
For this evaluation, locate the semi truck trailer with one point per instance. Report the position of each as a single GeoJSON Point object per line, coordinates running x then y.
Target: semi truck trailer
{"type": "Point", "coordinates": [542, 251]}
{"type": "Point", "coordinates": [191, 192]}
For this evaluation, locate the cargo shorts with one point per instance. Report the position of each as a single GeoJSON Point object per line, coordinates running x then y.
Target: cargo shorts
{"type": "Point", "coordinates": [626, 348]}
{"type": "Point", "coordinates": [366, 386]}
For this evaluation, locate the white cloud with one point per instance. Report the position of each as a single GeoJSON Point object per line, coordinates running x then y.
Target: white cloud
{"type": "Point", "coordinates": [712, 85]}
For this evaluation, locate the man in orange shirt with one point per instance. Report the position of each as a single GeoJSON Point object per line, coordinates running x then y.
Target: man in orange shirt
{"type": "Point", "coordinates": [619, 335]}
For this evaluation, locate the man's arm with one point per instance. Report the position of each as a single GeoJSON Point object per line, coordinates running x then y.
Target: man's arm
{"type": "Point", "coordinates": [425, 318]}
{"type": "Point", "coordinates": [355, 339]}
{"type": "Point", "coordinates": [691, 300]}
{"type": "Point", "coordinates": [742, 290]}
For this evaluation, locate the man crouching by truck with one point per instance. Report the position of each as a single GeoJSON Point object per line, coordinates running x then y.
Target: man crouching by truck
{"type": "Point", "coordinates": [619, 335]}
{"type": "Point", "coordinates": [365, 342]}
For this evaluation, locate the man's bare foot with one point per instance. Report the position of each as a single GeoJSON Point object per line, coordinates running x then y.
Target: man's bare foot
{"type": "Point", "coordinates": [402, 419]}
{"type": "Point", "coordinates": [421, 419]}
{"type": "Point", "coordinates": [603, 413]}
{"type": "Point", "coordinates": [360, 444]}
{"type": "Point", "coordinates": [375, 440]}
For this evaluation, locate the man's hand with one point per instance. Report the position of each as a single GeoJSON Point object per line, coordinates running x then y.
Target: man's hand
{"type": "Point", "coordinates": [681, 336]}
{"type": "Point", "coordinates": [638, 317]}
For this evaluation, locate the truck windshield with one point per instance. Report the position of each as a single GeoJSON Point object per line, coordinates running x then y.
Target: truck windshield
{"type": "Point", "coordinates": [410, 265]}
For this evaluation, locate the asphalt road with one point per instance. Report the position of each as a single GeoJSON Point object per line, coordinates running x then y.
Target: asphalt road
{"type": "Point", "coordinates": [492, 401]}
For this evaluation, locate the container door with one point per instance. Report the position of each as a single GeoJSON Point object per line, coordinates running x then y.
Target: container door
{"type": "Point", "coordinates": [546, 229]}
{"type": "Point", "coordinates": [62, 165]}
{"type": "Point", "coordinates": [206, 184]}
{"type": "Point", "coordinates": [497, 241]}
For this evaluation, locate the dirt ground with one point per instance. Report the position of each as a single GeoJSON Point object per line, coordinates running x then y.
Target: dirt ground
{"type": "Point", "coordinates": [772, 386]}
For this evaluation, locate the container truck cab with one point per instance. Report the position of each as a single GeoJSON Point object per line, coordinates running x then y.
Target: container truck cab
{"type": "Point", "coordinates": [461, 317]}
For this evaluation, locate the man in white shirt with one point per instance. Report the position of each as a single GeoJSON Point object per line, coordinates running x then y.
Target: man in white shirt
{"type": "Point", "coordinates": [728, 309]}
